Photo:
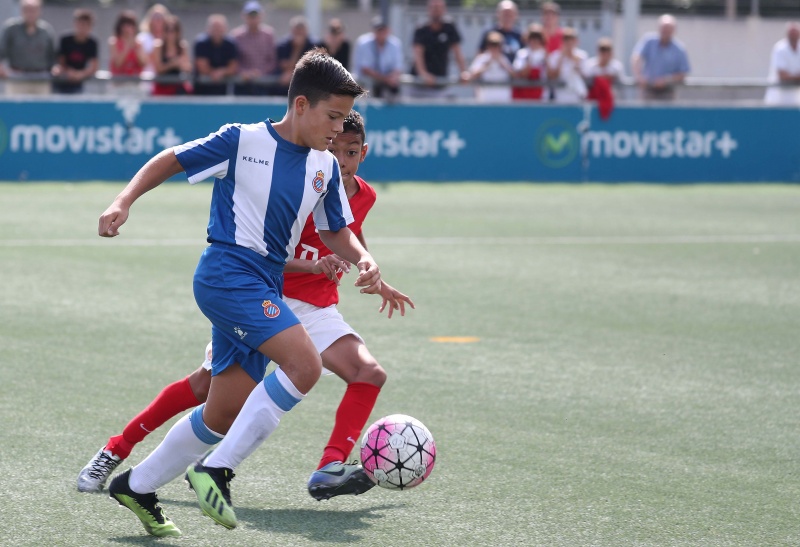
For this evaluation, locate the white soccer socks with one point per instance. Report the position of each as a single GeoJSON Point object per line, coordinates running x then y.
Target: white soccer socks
{"type": "Point", "coordinates": [259, 417]}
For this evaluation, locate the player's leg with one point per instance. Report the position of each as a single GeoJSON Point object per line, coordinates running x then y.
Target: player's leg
{"type": "Point", "coordinates": [171, 401]}
{"type": "Point", "coordinates": [349, 358]}
{"type": "Point", "coordinates": [299, 368]}
{"type": "Point", "coordinates": [188, 440]}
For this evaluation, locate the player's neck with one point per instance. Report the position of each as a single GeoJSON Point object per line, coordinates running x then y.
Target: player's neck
{"type": "Point", "coordinates": [351, 188]}
{"type": "Point", "coordinates": [287, 129]}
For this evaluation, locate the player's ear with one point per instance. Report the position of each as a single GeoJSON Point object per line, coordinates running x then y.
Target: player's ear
{"type": "Point", "coordinates": [364, 149]}
{"type": "Point", "coordinates": [300, 104]}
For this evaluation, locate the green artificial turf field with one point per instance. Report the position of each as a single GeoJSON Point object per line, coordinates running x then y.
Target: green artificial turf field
{"type": "Point", "coordinates": [636, 378]}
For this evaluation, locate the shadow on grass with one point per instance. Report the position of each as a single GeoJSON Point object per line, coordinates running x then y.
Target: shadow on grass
{"type": "Point", "coordinates": [325, 525]}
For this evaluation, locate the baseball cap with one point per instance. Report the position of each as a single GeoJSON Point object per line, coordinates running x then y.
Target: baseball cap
{"type": "Point", "coordinates": [379, 22]}
{"type": "Point", "coordinates": [252, 7]}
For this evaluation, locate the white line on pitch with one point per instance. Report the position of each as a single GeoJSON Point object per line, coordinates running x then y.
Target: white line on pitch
{"type": "Point", "coordinates": [553, 240]}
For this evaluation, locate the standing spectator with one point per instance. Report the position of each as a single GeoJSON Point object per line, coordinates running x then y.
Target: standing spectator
{"type": "Point", "coordinates": [77, 55]}
{"type": "Point", "coordinates": [602, 72]}
{"type": "Point", "coordinates": [433, 43]}
{"type": "Point", "coordinates": [290, 49]}
{"type": "Point", "coordinates": [492, 66]}
{"type": "Point", "coordinates": [659, 61]}
{"type": "Point", "coordinates": [566, 67]}
{"type": "Point", "coordinates": [530, 63]}
{"type": "Point", "coordinates": [784, 69]}
{"type": "Point", "coordinates": [150, 30]}
{"type": "Point", "coordinates": [127, 54]}
{"type": "Point", "coordinates": [27, 44]}
{"type": "Point", "coordinates": [171, 58]}
{"type": "Point", "coordinates": [604, 64]}
{"type": "Point", "coordinates": [379, 56]}
{"type": "Point", "coordinates": [214, 57]}
{"type": "Point", "coordinates": [551, 23]}
{"type": "Point", "coordinates": [257, 53]}
{"type": "Point", "coordinates": [336, 43]}
{"type": "Point", "coordinates": [507, 15]}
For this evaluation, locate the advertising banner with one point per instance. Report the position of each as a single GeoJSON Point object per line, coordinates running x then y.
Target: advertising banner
{"type": "Point", "coordinates": [81, 140]}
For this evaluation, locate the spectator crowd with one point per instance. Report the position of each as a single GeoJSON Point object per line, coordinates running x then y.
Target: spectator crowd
{"type": "Point", "coordinates": [542, 62]}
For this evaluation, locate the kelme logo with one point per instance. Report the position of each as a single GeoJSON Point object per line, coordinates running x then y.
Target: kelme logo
{"type": "Point", "coordinates": [3, 137]}
{"type": "Point", "coordinates": [556, 143]}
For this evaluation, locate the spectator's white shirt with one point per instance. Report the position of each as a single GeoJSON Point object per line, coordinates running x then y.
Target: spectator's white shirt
{"type": "Point", "coordinates": [497, 71]}
{"type": "Point", "coordinates": [787, 59]}
{"type": "Point", "coordinates": [592, 68]}
{"type": "Point", "coordinates": [527, 57]}
{"type": "Point", "coordinates": [574, 89]}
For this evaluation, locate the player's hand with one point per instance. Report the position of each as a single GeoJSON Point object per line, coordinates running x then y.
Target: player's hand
{"type": "Point", "coordinates": [395, 299]}
{"type": "Point", "coordinates": [330, 266]}
{"type": "Point", "coordinates": [110, 221]}
{"type": "Point", "coordinates": [369, 277]}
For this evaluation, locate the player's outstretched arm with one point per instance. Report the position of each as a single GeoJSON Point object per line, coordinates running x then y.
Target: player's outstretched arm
{"type": "Point", "coordinates": [154, 172]}
{"type": "Point", "coordinates": [395, 299]}
{"type": "Point", "coordinates": [345, 244]}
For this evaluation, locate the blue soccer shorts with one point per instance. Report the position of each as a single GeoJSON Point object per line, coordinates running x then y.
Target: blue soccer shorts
{"type": "Point", "coordinates": [240, 293]}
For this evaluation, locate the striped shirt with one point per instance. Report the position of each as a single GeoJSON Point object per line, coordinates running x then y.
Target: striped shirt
{"type": "Point", "coordinates": [265, 188]}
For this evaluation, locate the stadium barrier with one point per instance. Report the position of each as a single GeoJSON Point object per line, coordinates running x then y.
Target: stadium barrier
{"type": "Point", "coordinates": [77, 139]}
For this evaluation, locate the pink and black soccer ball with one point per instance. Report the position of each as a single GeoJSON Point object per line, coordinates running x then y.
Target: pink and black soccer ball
{"type": "Point", "coordinates": [398, 452]}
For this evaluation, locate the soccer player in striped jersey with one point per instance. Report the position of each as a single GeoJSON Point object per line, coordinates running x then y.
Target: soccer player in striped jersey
{"type": "Point", "coordinates": [311, 291]}
{"type": "Point", "coordinates": [268, 178]}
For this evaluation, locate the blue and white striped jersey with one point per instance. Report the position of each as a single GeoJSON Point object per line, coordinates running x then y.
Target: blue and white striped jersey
{"type": "Point", "coordinates": [265, 188]}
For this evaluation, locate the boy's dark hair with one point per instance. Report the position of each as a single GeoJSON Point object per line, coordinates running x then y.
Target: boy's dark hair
{"type": "Point", "coordinates": [126, 17]}
{"type": "Point", "coordinates": [354, 124]}
{"type": "Point", "coordinates": [317, 76]}
{"type": "Point", "coordinates": [82, 14]}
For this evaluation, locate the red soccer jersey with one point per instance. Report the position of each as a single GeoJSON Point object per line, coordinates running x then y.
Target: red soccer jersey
{"type": "Point", "coordinates": [318, 289]}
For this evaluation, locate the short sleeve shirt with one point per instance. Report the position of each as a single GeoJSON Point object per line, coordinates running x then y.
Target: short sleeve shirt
{"type": "Point", "coordinates": [661, 60]}
{"type": "Point", "coordinates": [436, 44]}
{"type": "Point", "coordinates": [265, 188]}
{"type": "Point", "coordinates": [219, 56]}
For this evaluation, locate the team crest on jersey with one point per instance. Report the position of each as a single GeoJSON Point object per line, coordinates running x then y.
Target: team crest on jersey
{"type": "Point", "coordinates": [270, 310]}
{"type": "Point", "coordinates": [319, 182]}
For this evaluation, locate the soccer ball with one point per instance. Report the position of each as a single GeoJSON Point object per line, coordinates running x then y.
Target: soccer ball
{"type": "Point", "coordinates": [398, 452]}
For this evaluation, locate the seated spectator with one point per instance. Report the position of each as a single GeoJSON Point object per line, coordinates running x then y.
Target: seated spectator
{"type": "Point", "coordinates": [784, 68]}
{"type": "Point", "coordinates": [127, 54]}
{"type": "Point", "coordinates": [27, 44]}
{"type": "Point", "coordinates": [604, 64]}
{"type": "Point", "coordinates": [565, 67]}
{"type": "Point", "coordinates": [336, 43]}
{"type": "Point", "coordinates": [530, 63]}
{"type": "Point", "coordinates": [171, 58]}
{"type": "Point", "coordinates": [215, 58]}
{"type": "Point", "coordinates": [255, 42]}
{"type": "Point", "coordinates": [150, 30]}
{"type": "Point", "coordinates": [660, 62]}
{"type": "Point", "coordinates": [379, 56]}
{"type": "Point", "coordinates": [507, 15]}
{"type": "Point", "coordinates": [492, 66]}
{"type": "Point", "coordinates": [290, 49]}
{"type": "Point", "coordinates": [77, 55]}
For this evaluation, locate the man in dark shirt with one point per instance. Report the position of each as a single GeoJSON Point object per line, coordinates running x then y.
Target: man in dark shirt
{"type": "Point", "coordinates": [215, 58]}
{"type": "Point", "coordinates": [290, 49]}
{"type": "Point", "coordinates": [433, 43]}
{"type": "Point", "coordinates": [507, 15]}
{"type": "Point", "coordinates": [77, 55]}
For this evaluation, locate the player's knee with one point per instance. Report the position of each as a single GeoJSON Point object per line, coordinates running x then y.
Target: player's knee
{"type": "Point", "coordinates": [200, 382]}
{"type": "Point", "coordinates": [304, 369]}
{"type": "Point", "coordinates": [371, 372]}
